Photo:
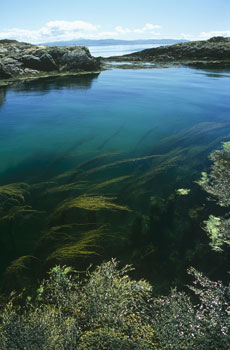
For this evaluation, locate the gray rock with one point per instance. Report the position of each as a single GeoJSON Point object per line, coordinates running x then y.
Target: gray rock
{"type": "Point", "coordinates": [19, 59]}
{"type": "Point", "coordinates": [78, 58]}
{"type": "Point", "coordinates": [48, 63]}
{"type": "Point", "coordinates": [4, 72]}
{"type": "Point", "coordinates": [30, 61]}
{"type": "Point", "coordinates": [214, 49]}
{"type": "Point", "coordinates": [44, 63]}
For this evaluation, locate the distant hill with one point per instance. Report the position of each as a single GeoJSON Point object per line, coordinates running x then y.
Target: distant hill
{"type": "Point", "coordinates": [106, 42]}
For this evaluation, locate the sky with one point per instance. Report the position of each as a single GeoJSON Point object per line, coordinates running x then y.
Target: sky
{"type": "Point", "coordinates": [60, 20]}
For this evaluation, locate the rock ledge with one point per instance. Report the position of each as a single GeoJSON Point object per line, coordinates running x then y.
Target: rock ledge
{"type": "Point", "coordinates": [214, 52]}
{"type": "Point", "coordinates": [22, 60]}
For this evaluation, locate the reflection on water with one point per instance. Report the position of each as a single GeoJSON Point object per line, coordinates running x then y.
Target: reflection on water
{"type": "Point", "coordinates": [222, 73]}
{"type": "Point", "coordinates": [2, 96]}
{"type": "Point", "coordinates": [90, 167]}
{"type": "Point", "coordinates": [83, 81]}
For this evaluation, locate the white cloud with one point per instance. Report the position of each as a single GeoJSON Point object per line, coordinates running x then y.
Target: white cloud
{"type": "Point", "coordinates": [21, 35]}
{"type": "Point", "coordinates": [206, 35]}
{"type": "Point", "coordinates": [77, 26]}
{"type": "Point", "coordinates": [70, 30]}
{"type": "Point", "coordinates": [148, 28]}
{"type": "Point", "coordinates": [122, 30]}
{"type": "Point", "coordinates": [52, 31]}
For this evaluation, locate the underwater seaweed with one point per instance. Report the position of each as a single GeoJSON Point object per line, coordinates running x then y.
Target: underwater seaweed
{"type": "Point", "coordinates": [108, 183]}
{"type": "Point", "coordinates": [93, 203]}
{"type": "Point", "coordinates": [13, 195]}
{"type": "Point", "coordinates": [86, 246]}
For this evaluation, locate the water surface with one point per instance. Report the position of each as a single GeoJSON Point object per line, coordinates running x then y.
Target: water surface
{"type": "Point", "coordinates": [118, 50]}
{"type": "Point", "coordinates": [110, 150]}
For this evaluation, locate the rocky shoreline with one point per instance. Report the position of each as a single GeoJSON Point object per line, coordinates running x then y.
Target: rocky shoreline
{"type": "Point", "coordinates": [212, 53]}
{"type": "Point", "coordinates": [23, 61]}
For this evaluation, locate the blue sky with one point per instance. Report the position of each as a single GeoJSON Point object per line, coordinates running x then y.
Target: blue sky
{"type": "Point", "coordinates": [53, 20]}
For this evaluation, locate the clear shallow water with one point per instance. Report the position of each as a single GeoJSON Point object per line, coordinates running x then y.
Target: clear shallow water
{"type": "Point", "coordinates": [110, 150]}
{"type": "Point", "coordinates": [118, 110]}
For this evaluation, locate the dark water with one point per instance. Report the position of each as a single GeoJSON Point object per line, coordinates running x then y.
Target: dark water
{"type": "Point", "coordinates": [102, 156]}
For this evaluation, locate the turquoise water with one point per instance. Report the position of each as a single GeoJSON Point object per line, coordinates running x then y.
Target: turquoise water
{"type": "Point", "coordinates": [110, 150]}
{"type": "Point", "coordinates": [119, 110]}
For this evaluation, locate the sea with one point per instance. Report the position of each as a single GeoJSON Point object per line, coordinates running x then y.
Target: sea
{"type": "Point", "coordinates": [110, 151]}
{"type": "Point", "coordinates": [118, 50]}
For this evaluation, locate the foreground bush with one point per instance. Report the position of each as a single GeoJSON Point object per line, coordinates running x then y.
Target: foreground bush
{"type": "Point", "coordinates": [106, 311]}
{"type": "Point", "coordinates": [182, 325]}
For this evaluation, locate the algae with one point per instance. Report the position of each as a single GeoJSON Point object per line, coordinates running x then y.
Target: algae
{"type": "Point", "coordinates": [21, 273]}
{"type": "Point", "coordinates": [85, 247]}
{"type": "Point", "coordinates": [13, 195]}
{"type": "Point", "coordinates": [108, 183]}
{"type": "Point", "coordinates": [93, 203]}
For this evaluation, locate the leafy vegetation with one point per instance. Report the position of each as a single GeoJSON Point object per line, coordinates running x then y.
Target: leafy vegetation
{"type": "Point", "coordinates": [217, 184]}
{"type": "Point", "coordinates": [182, 325]}
{"type": "Point", "coordinates": [106, 310]}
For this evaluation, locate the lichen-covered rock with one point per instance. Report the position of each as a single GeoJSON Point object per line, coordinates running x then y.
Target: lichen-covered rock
{"type": "Point", "coordinates": [78, 58]}
{"type": "Point", "coordinates": [44, 63]}
{"type": "Point", "coordinates": [23, 59]}
{"type": "Point", "coordinates": [215, 50]}
{"type": "Point", "coordinates": [4, 72]}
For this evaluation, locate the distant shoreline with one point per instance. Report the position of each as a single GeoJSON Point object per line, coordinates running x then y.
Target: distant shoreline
{"type": "Point", "coordinates": [22, 61]}
{"type": "Point", "coordinates": [212, 53]}
{"type": "Point", "coordinates": [107, 42]}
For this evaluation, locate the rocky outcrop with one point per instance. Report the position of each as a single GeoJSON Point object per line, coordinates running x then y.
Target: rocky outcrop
{"type": "Point", "coordinates": [213, 51]}
{"type": "Point", "coordinates": [19, 59]}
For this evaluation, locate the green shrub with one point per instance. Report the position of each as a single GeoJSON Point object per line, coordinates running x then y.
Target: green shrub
{"type": "Point", "coordinates": [106, 310]}
{"type": "Point", "coordinates": [217, 184]}
{"type": "Point", "coordinates": [182, 325]}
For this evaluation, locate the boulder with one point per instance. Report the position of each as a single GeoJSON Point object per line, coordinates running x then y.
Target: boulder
{"type": "Point", "coordinates": [4, 72]}
{"type": "Point", "coordinates": [19, 59]}
{"type": "Point", "coordinates": [78, 58]}
{"type": "Point", "coordinates": [44, 63]}
{"type": "Point", "coordinates": [30, 61]}
{"type": "Point", "coordinates": [48, 63]}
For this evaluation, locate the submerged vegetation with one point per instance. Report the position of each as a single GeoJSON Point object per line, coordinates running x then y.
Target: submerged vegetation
{"type": "Point", "coordinates": [79, 208]}
{"type": "Point", "coordinates": [217, 184]}
{"type": "Point", "coordinates": [111, 204]}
